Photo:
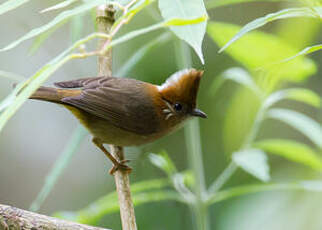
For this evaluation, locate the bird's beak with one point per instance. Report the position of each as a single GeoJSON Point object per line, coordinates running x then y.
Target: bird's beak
{"type": "Point", "coordinates": [198, 113]}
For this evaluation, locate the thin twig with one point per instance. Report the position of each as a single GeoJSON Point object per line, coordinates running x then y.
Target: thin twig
{"type": "Point", "coordinates": [117, 26]}
{"type": "Point", "coordinates": [12, 218]}
{"type": "Point", "coordinates": [105, 20]}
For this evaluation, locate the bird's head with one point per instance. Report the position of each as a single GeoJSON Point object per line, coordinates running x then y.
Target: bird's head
{"type": "Point", "coordinates": [179, 94]}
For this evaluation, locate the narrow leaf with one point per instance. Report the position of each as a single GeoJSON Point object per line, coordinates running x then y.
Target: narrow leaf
{"type": "Point", "coordinates": [237, 75]}
{"type": "Point", "coordinates": [211, 4]}
{"type": "Point", "coordinates": [300, 122]}
{"type": "Point", "coordinates": [253, 161]}
{"type": "Point", "coordinates": [305, 51]}
{"type": "Point", "coordinates": [311, 186]}
{"type": "Point", "coordinates": [59, 5]}
{"type": "Point", "coordinates": [10, 5]}
{"type": "Point", "coordinates": [163, 161]}
{"type": "Point", "coordinates": [292, 151]}
{"type": "Point", "coordinates": [302, 95]}
{"type": "Point", "coordinates": [192, 34]}
{"type": "Point", "coordinates": [93, 214]}
{"type": "Point", "coordinates": [146, 30]}
{"type": "Point", "coordinates": [142, 192]}
{"type": "Point", "coordinates": [58, 19]}
{"type": "Point", "coordinates": [286, 13]}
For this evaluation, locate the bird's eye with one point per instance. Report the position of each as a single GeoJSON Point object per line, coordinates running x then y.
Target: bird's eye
{"type": "Point", "coordinates": [177, 107]}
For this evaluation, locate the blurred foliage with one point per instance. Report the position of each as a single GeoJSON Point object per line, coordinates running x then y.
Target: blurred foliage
{"type": "Point", "coordinates": [268, 61]}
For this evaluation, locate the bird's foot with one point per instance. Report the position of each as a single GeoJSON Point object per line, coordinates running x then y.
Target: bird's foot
{"type": "Point", "coordinates": [121, 166]}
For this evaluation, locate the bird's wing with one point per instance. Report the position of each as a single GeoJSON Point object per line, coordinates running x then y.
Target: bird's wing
{"type": "Point", "coordinates": [123, 102]}
{"type": "Point", "coordinates": [78, 83]}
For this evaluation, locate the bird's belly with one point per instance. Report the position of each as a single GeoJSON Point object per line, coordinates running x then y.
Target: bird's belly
{"type": "Point", "coordinates": [111, 134]}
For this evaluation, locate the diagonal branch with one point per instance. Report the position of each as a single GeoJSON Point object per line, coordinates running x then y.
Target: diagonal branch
{"type": "Point", "coordinates": [12, 218]}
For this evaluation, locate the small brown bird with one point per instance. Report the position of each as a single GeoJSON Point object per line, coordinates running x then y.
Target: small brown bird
{"type": "Point", "coordinates": [125, 112]}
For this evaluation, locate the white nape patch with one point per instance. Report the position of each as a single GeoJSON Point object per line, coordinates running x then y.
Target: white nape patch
{"type": "Point", "coordinates": [174, 78]}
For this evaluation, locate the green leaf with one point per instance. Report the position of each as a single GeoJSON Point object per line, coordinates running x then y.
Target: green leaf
{"type": "Point", "coordinates": [300, 122]}
{"type": "Point", "coordinates": [57, 20]}
{"type": "Point", "coordinates": [256, 49]}
{"type": "Point", "coordinates": [142, 192]}
{"type": "Point", "coordinates": [210, 4]}
{"type": "Point", "coordinates": [10, 5]}
{"type": "Point", "coordinates": [285, 13]}
{"type": "Point", "coordinates": [292, 151]}
{"type": "Point", "coordinates": [253, 161]}
{"type": "Point", "coordinates": [302, 95]}
{"type": "Point", "coordinates": [192, 34]}
{"type": "Point", "coordinates": [59, 5]}
{"type": "Point", "coordinates": [93, 215]}
{"type": "Point", "coordinates": [237, 75]}
{"type": "Point", "coordinates": [163, 162]}
{"type": "Point", "coordinates": [311, 186]}
{"type": "Point", "coordinates": [148, 29]}
{"type": "Point", "coordinates": [305, 51]}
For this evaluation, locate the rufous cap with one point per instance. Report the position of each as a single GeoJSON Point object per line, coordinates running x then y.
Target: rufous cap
{"type": "Point", "coordinates": [182, 86]}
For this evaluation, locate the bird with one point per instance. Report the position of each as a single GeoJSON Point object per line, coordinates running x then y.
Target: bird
{"type": "Point", "coordinates": [126, 111]}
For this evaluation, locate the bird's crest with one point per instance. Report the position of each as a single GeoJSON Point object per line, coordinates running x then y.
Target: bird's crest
{"type": "Point", "coordinates": [182, 85]}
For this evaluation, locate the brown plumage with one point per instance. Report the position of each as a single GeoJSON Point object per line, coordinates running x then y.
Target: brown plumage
{"type": "Point", "coordinates": [126, 112]}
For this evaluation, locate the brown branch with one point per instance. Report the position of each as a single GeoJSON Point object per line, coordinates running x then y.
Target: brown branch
{"type": "Point", "coordinates": [122, 182]}
{"type": "Point", "coordinates": [105, 20]}
{"type": "Point", "coordinates": [12, 218]}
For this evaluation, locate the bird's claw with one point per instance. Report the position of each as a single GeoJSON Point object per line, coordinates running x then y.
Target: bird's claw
{"type": "Point", "coordinates": [121, 166]}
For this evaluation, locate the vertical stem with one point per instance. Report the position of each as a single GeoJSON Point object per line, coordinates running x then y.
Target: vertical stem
{"type": "Point", "coordinates": [193, 141]}
{"type": "Point", "coordinates": [255, 127]}
{"type": "Point", "coordinates": [223, 178]}
{"type": "Point", "coordinates": [105, 20]}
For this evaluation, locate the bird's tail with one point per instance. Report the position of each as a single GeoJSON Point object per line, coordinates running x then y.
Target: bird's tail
{"type": "Point", "coordinates": [53, 94]}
